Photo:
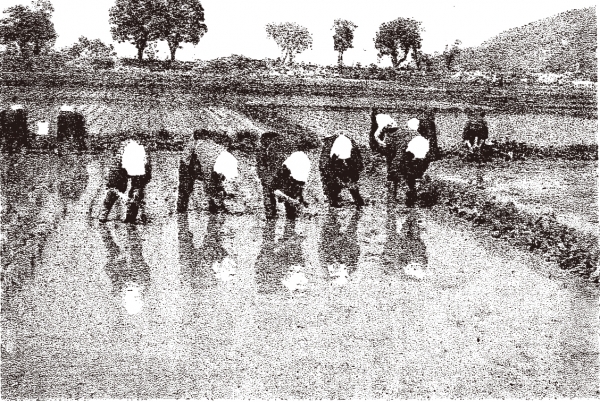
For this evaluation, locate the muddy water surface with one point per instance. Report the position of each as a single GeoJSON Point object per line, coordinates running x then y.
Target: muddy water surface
{"type": "Point", "coordinates": [415, 305]}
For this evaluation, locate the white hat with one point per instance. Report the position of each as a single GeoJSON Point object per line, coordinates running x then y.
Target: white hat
{"type": "Point", "coordinates": [133, 159]}
{"type": "Point", "coordinates": [385, 120]}
{"type": "Point", "coordinates": [227, 165]}
{"type": "Point", "coordinates": [419, 146]}
{"type": "Point", "coordinates": [413, 124]}
{"type": "Point", "coordinates": [342, 147]}
{"type": "Point", "coordinates": [66, 108]}
{"type": "Point", "coordinates": [299, 165]}
{"type": "Point", "coordinates": [16, 107]}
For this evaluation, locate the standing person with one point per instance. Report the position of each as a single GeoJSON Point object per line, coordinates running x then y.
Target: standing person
{"type": "Point", "coordinates": [13, 127]}
{"type": "Point", "coordinates": [340, 165]}
{"type": "Point", "coordinates": [405, 150]}
{"type": "Point", "coordinates": [283, 173]}
{"type": "Point", "coordinates": [475, 132]}
{"type": "Point", "coordinates": [131, 162]}
{"type": "Point", "coordinates": [204, 159]}
{"type": "Point", "coordinates": [70, 125]}
{"type": "Point", "coordinates": [428, 130]}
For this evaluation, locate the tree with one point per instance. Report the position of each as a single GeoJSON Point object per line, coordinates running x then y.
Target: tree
{"type": "Point", "coordinates": [450, 54]}
{"type": "Point", "coordinates": [85, 48]}
{"type": "Point", "coordinates": [399, 35]}
{"type": "Point", "coordinates": [91, 52]}
{"type": "Point", "coordinates": [30, 28]}
{"type": "Point", "coordinates": [136, 21]}
{"type": "Point", "coordinates": [182, 21]}
{"type": "Point", "coordinates": [344, 35]}
{"type": "Point", "coordinates": [290, 37]}
{"type": "Point", "coordinates": [423, 60]}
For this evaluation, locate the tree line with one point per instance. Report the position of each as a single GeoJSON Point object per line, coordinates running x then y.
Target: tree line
{"type": "Point", "coordinates": [144, 22]}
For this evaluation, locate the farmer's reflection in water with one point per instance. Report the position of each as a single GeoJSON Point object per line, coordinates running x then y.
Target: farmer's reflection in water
{"type": "Point", "coordinates": [339, 249]}
{"type": "Point", "coordinates": [129, 273]}
{"type": "Point", "coordinates": [404, 249]}
{"type": "Point", "coordinates": [280, 263]}
{"type": "Point", "coordinates": [72, 179]}
{"type": "Point", "coordinates": [203, 267]}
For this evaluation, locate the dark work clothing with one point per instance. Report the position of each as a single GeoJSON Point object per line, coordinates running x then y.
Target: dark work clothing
{"type": "Point", "coordinates": [117, 182]}
{"type": "Point", "coordinates": [125, 267]}
{"type": "Point", "coordinates": [71, 126]}
{"type": "Point", "coordinates": [275, 176]}
{"type": "Point", "coordinates": [13, 129]}
{"type": "Point", "coordinates": [337, 174]}
{"type": "Point", "coordinates": [428, 130]}
{"type": "Point", "coordinates": [277, 257]}
{"type": "Point", "coordinates": [400, 164]}
{"type": "Point", "coordinates": [475, 129]}
{"type": "Point", "coordinates": [338, 247]}
{"type": "Point", "coordinates": [198, 163]}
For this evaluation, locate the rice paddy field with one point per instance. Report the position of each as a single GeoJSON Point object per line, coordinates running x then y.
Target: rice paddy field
{"type": "Point", "coordinates": [479, 318]}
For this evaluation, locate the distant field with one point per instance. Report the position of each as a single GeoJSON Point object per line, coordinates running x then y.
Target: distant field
{"type": "Point", "coordinates": [179, 111]}
{"type": "Point", "coordinates": [533, 129]}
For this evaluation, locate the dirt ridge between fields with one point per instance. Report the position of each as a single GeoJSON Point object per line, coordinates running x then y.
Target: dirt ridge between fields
{"type": "Point", "coordinates": [571, 249]}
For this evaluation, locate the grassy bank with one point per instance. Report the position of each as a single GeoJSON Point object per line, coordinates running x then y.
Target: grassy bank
{"type": "Point", "coordinates": [574, 251]}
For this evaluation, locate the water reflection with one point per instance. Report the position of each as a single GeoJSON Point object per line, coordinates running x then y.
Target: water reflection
{"type": "Point", "coordinates": [404, 249]}
{"type": "Point", "coordinates": [71, 179]}
{"type": "Point", "coordinates": [32, 207]}
{"type": "Point", "coordinates": [127, 269]}
{"type": "Point", "coordinates": [339, 249]}
{"type": "Point", "coordinates": [203, 267]}
{"type": "Point", "coordinates": [280, 263]}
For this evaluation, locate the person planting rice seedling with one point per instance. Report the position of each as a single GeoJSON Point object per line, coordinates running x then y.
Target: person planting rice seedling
{"type": "Point", "coordinates": [283, 174]}
{"type": "Point", "coordinates": [204, 159]}
{"type": "Point", "coordinates": [405, 150]}
{"type": "Point", "coordinates": [340, 165]}
{"type": "Point", "coordinates": [13, 127]}
{"type": "Point", "coordinates": [339, 249]}
{"type": "Point", "coordinates": [128, 271]}
{"type": "Point", "coordinates": [131, 163]}
{"type": "Point", "coordinates": [70, 126]}
{"type": "Point", "coordinates": [404, 249]}
{"type": "Point", "coordinates": [280, 263]}
{"type": "Point", "coordinates": [475, 134]}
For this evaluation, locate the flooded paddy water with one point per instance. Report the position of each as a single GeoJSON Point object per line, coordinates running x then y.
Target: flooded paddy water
{"type": "Point", "coordinates": [231, 306]}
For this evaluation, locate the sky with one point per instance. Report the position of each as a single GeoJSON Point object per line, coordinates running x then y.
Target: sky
{"type": "Point", "coordinates": [238, 26]}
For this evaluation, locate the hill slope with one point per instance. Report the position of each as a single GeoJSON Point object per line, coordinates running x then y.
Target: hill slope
{"type": "Point", "coordinates": [564, 42]}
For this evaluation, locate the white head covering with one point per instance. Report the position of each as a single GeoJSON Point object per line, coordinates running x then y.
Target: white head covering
{"type": "Point", "coordinates": [413, 124]}
{"type": "Point", "coordinates": [43, 127]}
{"type": "Point", "coordinates": [419, 146]}
{"type": "Point", "coordinates": [299, 165]}
{"type": "Point", "coordinates": [383, 121]}
{"type": "Point", "coordinates": [342, 147]}
{"type": "Point", "coordinates": [16, 107]}
{"type": "Point", "coordinates": [227, 165]}
{"type": "Point", "coordinates": [133, 159]}
{"type": "Point", "coordinates": [66, 108]}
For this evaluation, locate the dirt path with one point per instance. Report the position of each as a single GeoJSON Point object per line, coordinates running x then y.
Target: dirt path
{"type": "Point", "coordinates": [484, 320]}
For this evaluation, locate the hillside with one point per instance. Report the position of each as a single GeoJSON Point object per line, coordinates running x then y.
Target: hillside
{"type": "Point", "coordinates": [564, 42]}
